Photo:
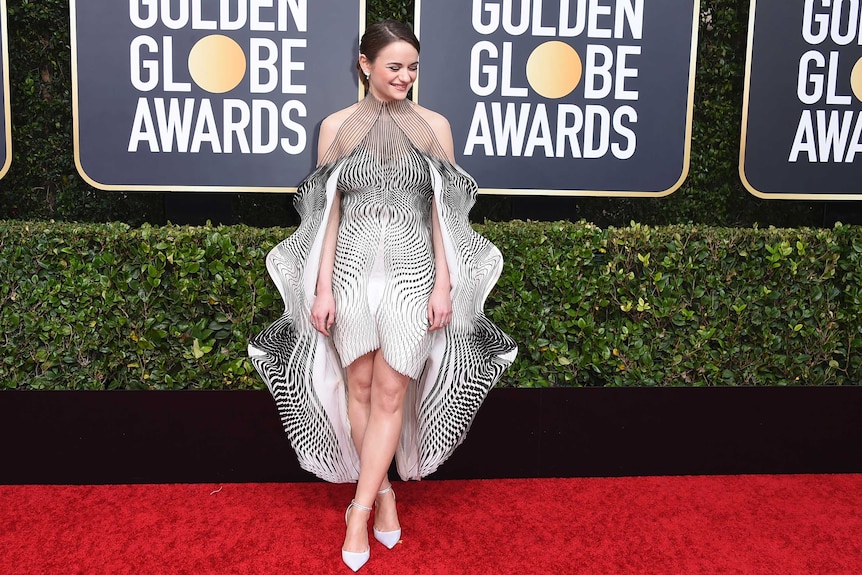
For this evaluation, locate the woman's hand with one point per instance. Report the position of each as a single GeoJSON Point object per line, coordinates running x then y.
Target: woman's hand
{"type": "Point", "coordinates": [323, 312]}
{"type": "Point", "coordinates": [439, 308]}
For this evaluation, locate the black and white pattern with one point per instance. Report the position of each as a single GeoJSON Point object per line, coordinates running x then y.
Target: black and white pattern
{"type": "Point", "coordinates": [384, 265]}
{"type": "Point", "coordinates": [388, 166]}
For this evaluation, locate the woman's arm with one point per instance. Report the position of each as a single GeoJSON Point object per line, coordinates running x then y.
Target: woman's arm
{"type": "Point", "coordinates": [323, 310]}
{"type": "Point", "coordinates": [440, 303]}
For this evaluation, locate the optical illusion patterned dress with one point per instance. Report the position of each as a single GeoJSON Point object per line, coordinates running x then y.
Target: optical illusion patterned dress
{"type": "Point", "coordinates": [388, 165]}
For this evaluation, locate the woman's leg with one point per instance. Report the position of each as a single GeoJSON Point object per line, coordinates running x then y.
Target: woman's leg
{"type": "Point", "coordinates": [359, 376]}
{"type": "Point", "coordinates": [379, 441]}
{"type": "Point", "coordinates": [359, 397]}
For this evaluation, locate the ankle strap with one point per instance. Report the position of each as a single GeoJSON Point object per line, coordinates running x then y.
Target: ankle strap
{"type": "Point", "coordinates": [353, 503]}
{"type": "Point", "coordinates": [385, 491]}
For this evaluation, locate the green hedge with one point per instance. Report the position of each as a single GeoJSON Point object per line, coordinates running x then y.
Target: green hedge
{"type": "Point", "coordinates": [111, 307]}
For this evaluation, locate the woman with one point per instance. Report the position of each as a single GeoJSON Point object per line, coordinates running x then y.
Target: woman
{"type": "Point", "coordinates": [383, 349]}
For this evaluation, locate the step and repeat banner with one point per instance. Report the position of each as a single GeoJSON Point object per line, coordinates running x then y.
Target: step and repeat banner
{"type": "Point", "coordinates": [563, 97]}
{"type": "Point", "coordinates": [802, 110]}
{"type": "Point", "coordinates": [5, 107]}
{"type": "Point", "coordinates": [209, 95]}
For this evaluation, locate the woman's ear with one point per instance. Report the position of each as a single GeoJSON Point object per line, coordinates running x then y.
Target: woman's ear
{"type": "Point", "coordinates": [364, 64]}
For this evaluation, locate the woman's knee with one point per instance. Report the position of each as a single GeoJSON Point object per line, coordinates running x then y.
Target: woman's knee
{"type": "Point", "coordinates": [360, 393]}
{"type": "Point", "coordinates": [359, 378]}
{"type": "Point", "coordinates": [388, 387]}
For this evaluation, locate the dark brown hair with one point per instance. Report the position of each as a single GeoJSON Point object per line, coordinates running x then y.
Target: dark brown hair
{"type": "Point", "coordinates": [378, 36]}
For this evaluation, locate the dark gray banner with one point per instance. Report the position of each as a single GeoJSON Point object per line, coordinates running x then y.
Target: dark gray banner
{"type": "Point", "coordinates": [5, 107]}
{"type": "Point", "coordinates": [578, 97]}
{"type": "Point", "coordinates": [802, 112]}
{"type": "Point", "coordinates": [208, 94]}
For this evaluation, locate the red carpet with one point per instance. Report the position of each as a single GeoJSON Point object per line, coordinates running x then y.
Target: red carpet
{"type": "Point", "coordinates": [784, 525]}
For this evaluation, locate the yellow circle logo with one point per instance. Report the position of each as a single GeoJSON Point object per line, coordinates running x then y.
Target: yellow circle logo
{"type": "Point", "coordinates": [217, 64]}
{"type": "Point", "coordinates": [554, 69]}
{"type": "Point", "coordinates": [856, 79]}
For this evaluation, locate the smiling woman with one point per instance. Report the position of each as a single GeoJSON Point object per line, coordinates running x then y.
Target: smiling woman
{"type": "Point", "coordinates": [384, 349]}
{"type": "Point", "coordinates": [393, 70]}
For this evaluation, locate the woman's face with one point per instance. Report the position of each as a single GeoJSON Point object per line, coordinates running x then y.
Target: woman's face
{"type": "Point", "coordinates": [393, 72]}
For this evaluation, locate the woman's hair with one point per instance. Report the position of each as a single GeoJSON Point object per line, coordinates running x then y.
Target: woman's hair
{"type": "Point", "coordinates": [378, 36]}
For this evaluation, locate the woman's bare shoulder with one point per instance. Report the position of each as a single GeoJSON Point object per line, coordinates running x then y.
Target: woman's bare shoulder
{"type": "Point", "coordinates": [436, 120]}
{"type": "Point", "coordinates": [335, 119]}
{"type": "Point", "coordinates": [333, 122]}
{"type": "Point", "coordinates": [441, 128]}
{"type": "Point", "coordinates": [330, 126]}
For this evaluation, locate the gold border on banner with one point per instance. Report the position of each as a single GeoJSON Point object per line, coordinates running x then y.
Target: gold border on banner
{"type": "Point", "coordinates": [7, 103]}
{"type": "Point", "coordinates": [604, 193]}
{"type": "Point", "coordinates": [76, 135]}
{"type": "Point", "coordinates": [744, 133]}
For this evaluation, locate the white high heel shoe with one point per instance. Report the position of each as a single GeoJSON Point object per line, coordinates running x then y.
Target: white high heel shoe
{"type": "Point", "coordinates": [388, 538]}
{"type": "Point", "coordinates": [355, 559]}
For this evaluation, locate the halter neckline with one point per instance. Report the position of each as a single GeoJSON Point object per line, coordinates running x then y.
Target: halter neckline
{"type": "Point", "coordinates": [374, 102]}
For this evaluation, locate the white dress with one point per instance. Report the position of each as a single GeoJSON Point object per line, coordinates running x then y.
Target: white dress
{"type": "Point", "coordinates": [387, 165]}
